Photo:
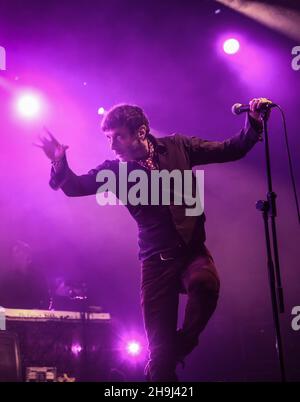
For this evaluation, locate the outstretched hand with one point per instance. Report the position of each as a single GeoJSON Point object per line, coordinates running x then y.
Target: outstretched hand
{"type": "Point", "coordinates": [52, 148]}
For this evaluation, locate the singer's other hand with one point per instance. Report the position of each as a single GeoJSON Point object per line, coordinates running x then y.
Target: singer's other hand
{"type": "Point", "coordinates": [255, 104]}
{"type": "Point", "coordinates": [52, 148]}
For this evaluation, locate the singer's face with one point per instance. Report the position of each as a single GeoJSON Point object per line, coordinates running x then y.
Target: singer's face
{"type": "Point", "coordinates": [126, 145]}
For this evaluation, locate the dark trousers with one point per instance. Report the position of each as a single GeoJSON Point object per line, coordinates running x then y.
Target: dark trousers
{"type": "Point", "coordinates": [162, 281]}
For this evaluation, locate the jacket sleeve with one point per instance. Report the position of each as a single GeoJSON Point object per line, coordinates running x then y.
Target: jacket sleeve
{"type": "Point", "coordinates": [71, 184]}
{"type": "Point", "coordinates": [204, 152]}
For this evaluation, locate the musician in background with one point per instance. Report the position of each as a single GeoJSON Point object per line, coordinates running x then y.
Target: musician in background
{"type": "Point", "coordinates": [22, 286]}
{"type": "Point", "coordinates": [68, 294]}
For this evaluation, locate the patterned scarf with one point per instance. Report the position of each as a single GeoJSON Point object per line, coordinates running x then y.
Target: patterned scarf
{"type": "Point", "coordinates": [149, 162]}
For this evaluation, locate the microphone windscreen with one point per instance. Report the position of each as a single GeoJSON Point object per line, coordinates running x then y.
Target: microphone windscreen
{"type": "Point", "coordinates": [235, 108]}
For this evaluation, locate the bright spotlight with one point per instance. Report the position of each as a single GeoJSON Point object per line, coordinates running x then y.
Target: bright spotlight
{"type": "Point", "coordinates": [231, 46]}
{"type": "Point", "coordinates": [29, 106]}
{"type": "Point", "coordinates": [133, 348]}
{"type": "Point", "coordinates": [101, 110]}
{"type": "Point", "coordinates": [76, 349]}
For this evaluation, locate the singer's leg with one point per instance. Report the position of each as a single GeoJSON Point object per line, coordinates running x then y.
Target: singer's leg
{"type": "Point", "coordinates": [202, 284]}
{"type": "Point", "coordinates": [159, 297]}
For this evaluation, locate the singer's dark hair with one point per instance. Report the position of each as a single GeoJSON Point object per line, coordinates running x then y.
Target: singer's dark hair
{"type": "Point", "coordinates": [123, 115]}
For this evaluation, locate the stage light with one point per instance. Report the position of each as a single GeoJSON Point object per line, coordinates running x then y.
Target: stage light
{"type": "Point", "coordinates": [231, 46]}
{"type": "Point", "coordinates": [28, 105]}
{"type": "Point", "coordinates": [76, 349]}
{"type": "Point", "coordinates": [133, 348]}
{"type": "Point", "coordinates": [101, 110]}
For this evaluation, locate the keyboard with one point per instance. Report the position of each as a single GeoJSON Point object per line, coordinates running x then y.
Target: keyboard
{"type": "Point", "coordinates": [52, 315]}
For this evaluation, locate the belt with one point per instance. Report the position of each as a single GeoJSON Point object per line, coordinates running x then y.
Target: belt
{"type": "Point", "coordinates": [170, 254]}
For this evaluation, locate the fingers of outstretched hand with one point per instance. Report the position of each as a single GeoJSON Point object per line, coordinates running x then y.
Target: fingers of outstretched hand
{"type": "Point", "coordinates": [43, 142]}
{"type": "Point", "coordinates": [51, 135]}
{"type": "Point", "coordinates": [37, 145]}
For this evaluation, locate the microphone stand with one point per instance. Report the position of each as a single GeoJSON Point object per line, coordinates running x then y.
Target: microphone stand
{"type": "Point", "coordinates": [269, 213]}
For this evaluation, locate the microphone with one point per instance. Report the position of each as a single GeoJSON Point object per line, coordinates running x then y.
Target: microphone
{"type": "Point", "coordinates": [238, 108]}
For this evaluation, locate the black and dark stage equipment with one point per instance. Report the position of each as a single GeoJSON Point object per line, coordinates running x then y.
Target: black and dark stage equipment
{"type": "Point", "coordinates": [10, 360]}
{"type": "Point", "coordinates": [268, 208]}
{"type": "Point", "coordinates": [50, 346]}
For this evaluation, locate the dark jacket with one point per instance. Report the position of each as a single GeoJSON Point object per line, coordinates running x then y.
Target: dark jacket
{"type": "Point", "coordinates": [162, 227]}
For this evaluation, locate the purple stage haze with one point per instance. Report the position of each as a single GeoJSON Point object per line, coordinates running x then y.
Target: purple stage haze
{"type": "Point", "coordinates": [166, 57]}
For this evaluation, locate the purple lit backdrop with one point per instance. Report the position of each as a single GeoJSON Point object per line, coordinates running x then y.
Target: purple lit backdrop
{"type": "Point", "coordinates": [165, 57]}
